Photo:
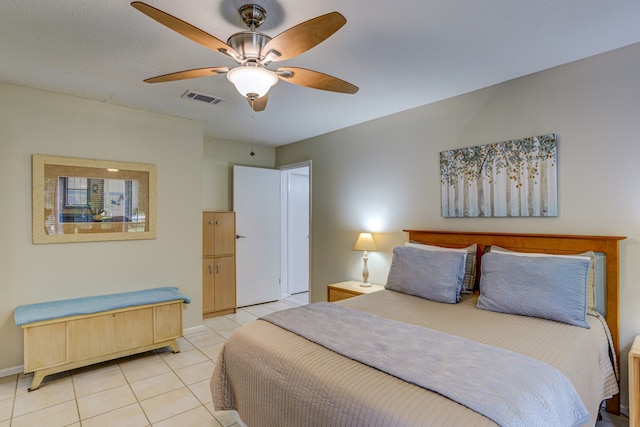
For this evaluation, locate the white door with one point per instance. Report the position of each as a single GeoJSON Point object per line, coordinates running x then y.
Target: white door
{"type": "Point", "coordinates": [298, 230]}
{"type": "Point", "coordinates": [256, 201]}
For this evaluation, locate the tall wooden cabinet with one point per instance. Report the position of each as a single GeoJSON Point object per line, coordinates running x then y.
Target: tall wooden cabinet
{"type": "Point", "coordinates": [218, 263]}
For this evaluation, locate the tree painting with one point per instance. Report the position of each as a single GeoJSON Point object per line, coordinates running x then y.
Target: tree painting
{"type": "Point", "coordinates": [504, 179]}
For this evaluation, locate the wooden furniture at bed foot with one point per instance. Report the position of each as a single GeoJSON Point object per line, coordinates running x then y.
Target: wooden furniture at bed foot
{"type": "Point", "coordinates": [349, 289]}
{"type": "Point", "coordinates": [218, 263]}
{"type": "Point", "coordinates": [61, 344]}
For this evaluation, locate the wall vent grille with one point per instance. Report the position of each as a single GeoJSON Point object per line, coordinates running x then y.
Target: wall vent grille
{"type": "Point", "coordinates": [197, 96]}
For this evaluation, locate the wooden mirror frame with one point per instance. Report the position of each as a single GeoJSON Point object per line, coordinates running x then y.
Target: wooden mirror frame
{"type": "Point", "coordinates": [46, 214]}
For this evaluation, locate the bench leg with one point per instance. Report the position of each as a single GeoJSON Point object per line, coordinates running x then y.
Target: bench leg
{"type": "Point", "coordinates": [38, 376]}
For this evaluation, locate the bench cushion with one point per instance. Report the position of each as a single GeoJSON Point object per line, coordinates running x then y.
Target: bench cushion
{"type": "Point", "coordinates": [31, 313]}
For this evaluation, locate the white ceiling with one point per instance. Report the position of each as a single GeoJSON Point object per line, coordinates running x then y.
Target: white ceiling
{"type": "Point", "coordinates": [402, 54]}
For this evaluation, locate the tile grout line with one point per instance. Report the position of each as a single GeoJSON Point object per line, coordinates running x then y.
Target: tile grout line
{"type": "Point", "coordinates": [132, 392]}
{"type": "Point", "coordinates": [75, 397]}
{"type": "Point", "coordinates": [186, 385]}
{"type": "Point", "coordinates": [15, 396]}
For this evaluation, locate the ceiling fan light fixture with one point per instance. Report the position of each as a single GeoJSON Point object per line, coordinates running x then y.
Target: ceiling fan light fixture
{"type": "Point", "coordinates": [252, 81]}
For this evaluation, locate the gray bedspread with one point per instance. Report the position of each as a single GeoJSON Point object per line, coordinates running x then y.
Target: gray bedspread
{"type": "Point", "coordinates": [274, 377]}
{"type": "Point", "coordinates": [541, 395]}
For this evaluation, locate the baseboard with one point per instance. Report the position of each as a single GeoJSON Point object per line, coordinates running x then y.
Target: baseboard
{"type": "Point", "coordinates": [11, 371]}
{"type": "Point", "coordinates": [624, 409]}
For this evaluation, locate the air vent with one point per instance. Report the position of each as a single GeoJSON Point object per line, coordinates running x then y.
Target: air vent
{"type": "Point", "coordinates": [196, 96]}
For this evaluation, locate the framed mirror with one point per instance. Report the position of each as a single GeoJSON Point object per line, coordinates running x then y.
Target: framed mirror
{"type": "Point", "coordinates": [84, 200]}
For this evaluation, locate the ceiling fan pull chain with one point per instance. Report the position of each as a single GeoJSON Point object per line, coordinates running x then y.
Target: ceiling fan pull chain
{"type": "Point", "coordinates": [252, 153]}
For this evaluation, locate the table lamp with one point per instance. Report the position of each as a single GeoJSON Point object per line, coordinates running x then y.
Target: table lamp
{"type": "Point", "coordinates": [365, 243]}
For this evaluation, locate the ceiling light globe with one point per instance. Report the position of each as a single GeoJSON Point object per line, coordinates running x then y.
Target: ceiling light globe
{"type": "Point", "coordinates": [251, 81]}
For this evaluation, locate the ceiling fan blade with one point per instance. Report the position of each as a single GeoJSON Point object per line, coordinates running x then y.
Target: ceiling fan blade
{"type": "Point", "coordinates": [304, 36]}
{"type": "Point", "coordinates": [187, 74]}
{"type": "Point", "coordinates": [184, 28]}
{"type": "Point", "coordinates": [315, 79]}
{"type": "Point", "coordinates": [259, 104]}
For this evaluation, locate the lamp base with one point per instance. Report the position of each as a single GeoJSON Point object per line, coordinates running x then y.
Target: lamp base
{"type": "Point", "coordinates": [365, 271]}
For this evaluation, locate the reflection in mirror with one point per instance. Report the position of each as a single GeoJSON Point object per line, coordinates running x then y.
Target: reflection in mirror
{"type": "Point", "coordinates": [88, 200]}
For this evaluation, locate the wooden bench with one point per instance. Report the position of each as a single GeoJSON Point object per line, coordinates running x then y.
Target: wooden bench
{"type": "Point", "coordinates": [68, 334]}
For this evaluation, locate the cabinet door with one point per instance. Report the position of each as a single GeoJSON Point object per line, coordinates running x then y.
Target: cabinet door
{"type": "Point", "coordinates": [218, 233]}
{"type": "Point", "coordinates": [225, 283]}
{"type": "Point", "coordinates": [208, 280]}
{"type": "Point", "coordinates": [225, 233]}
{"type": "Point", "coordinates": [208, 233]}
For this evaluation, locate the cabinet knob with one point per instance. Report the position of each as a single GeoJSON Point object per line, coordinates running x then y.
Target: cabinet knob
{"type": "Point", "coordinates": [218, 222]}
{"type": "Point", "coordinates": [210, 222]}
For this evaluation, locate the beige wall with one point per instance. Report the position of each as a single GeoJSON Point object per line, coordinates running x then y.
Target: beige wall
{"type": "Point", "coordinates": [383, 176]}
{"type": "Point", "coordinates": [33, 121]}
{"type": "Point", "coordinates": [217, 171]}
{"type": "Point", "coordinates": [380, 176]}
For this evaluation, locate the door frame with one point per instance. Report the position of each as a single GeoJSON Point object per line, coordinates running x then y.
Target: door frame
{"type": "Point", "coordinates": [284, 222]}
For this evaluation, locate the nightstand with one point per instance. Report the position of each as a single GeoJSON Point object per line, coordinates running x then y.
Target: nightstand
{"type": "Point", "coordinates": [348, 289]}
{"type": "Point", "coordinates": [634, 383]}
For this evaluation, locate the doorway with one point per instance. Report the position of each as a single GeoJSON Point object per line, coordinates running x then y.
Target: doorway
{"type": "Point", "coordinates": [296, 202]}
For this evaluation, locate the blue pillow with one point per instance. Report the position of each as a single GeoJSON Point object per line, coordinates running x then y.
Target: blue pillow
{"type": "Point", "coordinates": [551, 287]}
{"type": "Point", "coordinates": [434, 275]}
{"type": "Point", "coordinates": [469, 280]}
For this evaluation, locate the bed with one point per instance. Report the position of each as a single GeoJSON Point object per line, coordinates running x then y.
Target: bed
{"type": "Point", "coordinates": [274, 374]}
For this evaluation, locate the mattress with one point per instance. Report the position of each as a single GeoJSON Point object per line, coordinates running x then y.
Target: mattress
{"type": "Point", "coordinates": [274, 377]}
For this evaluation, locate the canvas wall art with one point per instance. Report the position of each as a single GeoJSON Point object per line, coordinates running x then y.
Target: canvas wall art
{"type": "Point", "coordinates": [515, 178]}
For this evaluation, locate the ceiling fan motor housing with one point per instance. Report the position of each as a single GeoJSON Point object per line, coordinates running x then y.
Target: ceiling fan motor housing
{"type": "Point", "coordinates": [249, 44]}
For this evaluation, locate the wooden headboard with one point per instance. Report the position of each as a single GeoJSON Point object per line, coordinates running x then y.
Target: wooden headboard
{"type": "Point", "coordinates": [553, 244]}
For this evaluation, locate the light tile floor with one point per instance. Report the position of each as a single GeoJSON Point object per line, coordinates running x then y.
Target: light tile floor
{"type": "Point", "coordinates": [157, 388]}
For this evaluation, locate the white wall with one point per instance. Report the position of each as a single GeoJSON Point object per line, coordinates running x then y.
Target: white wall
{"type": "Point", "coordinates": [383, 176]}
{"type": "Point", "coordinates": [33, 121]}
{"type": "Point", "coordinates": [217, 171]}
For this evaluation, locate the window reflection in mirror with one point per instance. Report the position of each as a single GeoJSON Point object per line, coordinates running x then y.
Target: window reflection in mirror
{"type": "Point", "coordinates": [88, 200]}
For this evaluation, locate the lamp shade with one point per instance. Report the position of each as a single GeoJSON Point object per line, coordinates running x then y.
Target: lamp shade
{"type": "Point", "coordinates": [365, 242]}
{"type": "Point", "coordinates": [252, 81]}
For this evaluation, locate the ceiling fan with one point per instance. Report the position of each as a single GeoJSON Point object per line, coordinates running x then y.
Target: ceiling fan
{"type": "Point", "coordinates": [254, 51]}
